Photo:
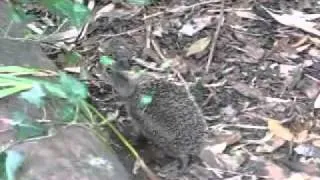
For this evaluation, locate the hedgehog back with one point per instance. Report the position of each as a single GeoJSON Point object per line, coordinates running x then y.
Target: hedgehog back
{"type": "Point", "coordinates": [172, 120]}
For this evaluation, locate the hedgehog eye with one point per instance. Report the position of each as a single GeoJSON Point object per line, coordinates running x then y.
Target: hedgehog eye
{"type": "Point", "coordinates": [155, 132]}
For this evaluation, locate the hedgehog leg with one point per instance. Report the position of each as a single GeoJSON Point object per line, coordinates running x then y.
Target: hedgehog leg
{"type": "Point", "coordinates": [184, 163]}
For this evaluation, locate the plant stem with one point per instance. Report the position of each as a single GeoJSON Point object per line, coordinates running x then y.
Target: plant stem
{"type": "Point", "coordinates": [145, 168]}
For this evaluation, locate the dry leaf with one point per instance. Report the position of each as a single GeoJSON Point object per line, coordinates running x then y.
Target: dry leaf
{"type": "Point", "coordinates": [300, 42]}
{"type": "Point", "coordinates": [247, 14]}
{"type": "Point", "coordinates": [104, 11]}
{"type": "Point", "coordinates": [303, 48]}
{"type": "Point", "coordinates": [316, 41]}
{"type": "Point", "coordinates": [307, 150]}
{"type": "Point", "coordinates": [299, 176]}
{"type": "Point", "coordinates": [274, 171]}
{"type": "Point", "coordinates": [271, 145]}
{"type": "Point", "coordinates": [217, 148]}
{"type": "Point", "coordinates": [223, 161]}
{"type": "Point", "coordinates": [277, 129]}
{"type": "Point", "coordinates": [316, 104]}
{"type": "Point", "coordinates": [73, 69]}
{"type": "Point", "coordinates": [314, 52]}
{"type": "Point", "coordinates": [296, 20]}
{"type": "Point", "coordinates": [198, 46]}
{"type": "Point", "coordinates": [316, 143]}
{"type": "Point", "coordinates": [229, 139]}
{"type": "Point", "coordinates": [301, 137]}
{"type": "Point", "coordinates": [246, 90]}
{"type": "Point", "coordinates": [196, 25]}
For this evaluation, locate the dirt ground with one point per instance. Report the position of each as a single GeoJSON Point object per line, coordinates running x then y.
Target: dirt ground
{"type": "Point", "coordinates": [259, 73]}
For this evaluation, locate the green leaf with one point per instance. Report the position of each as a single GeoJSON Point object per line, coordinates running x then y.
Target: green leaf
{"type": "Point", "coordinates": [12, 90]}
{"type": "Point", "coordinates": [80, 14]}
{"type": "Point", "coordinates": [14, 161]}
{"type": "Point", "coordinates": [106, 60]}
{"type": "Point", "coordinates": [17, 70]}
{"type": "Point", "coordinates": [3, 157]}
{"type": "Point", "coordinates": [145, 100]}
{"type": "Point", "coordinates": [15, 79]}
{"type": "Point", "coordinates": [34, 95]}
{"type": "Point", "coordinates": [55, 89]}
{"type": "Point", "coordinates": [16, 14]}
{"type": "Point", "coordinates": [140, 2]}
{"type": "Point", "coordinates": [67, 112]}
{"type": "Point", "coordinates": [72, 57]}
{"type": "Point", "coordinates": [76, 12]}
{"type": "Point", "coordinates": [25, 128]}
{"type": "Point", "coordinates": [75, 90]}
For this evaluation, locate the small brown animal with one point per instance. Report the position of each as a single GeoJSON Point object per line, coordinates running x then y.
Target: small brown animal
{"type": "Point", "coordinates": [172, 120]}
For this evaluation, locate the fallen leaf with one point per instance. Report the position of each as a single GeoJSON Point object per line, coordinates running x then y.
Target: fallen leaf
{"type": "Point", "coordinates": [301, 137]}
{"type": "Point", "coordinates": [297, 20]}
{"type": "Point", "coordinates": [271, 145]}
{"type": "Point", "coordinates": [73, 69]}
{"type": "Point", "coordinates": [247, 14]}
{"type": "Point", "coordinates": [104, 11]}
{"type": "Point", "coordinates": [275, 171]}
{"type": "Point", "coordinates": [229, 138]}
{"type": "Point", "coordinates": [196, 25]}
{"type": "Point", "coordinates": [309, 168]}
{"type": "Point", "coordinates": [307, 150]}
{"type": "Point", "coordinates": [316, 41]}
{"type": "Point", "coordinates": [223, 161]}
{"type": "Point", "coordinates": [300, 42]}
{"type": "Point", "coordinates": [248, 91]}
{"type": "Point", "coordinates": [198, 46]}
{"type": "Point", "coordinates": [217, 148]}
{"type": "Point", "coordinates": [315, 52]}
{"type": "Point", "coordinates": [298, 176]}
{"type": "Point", "coordinates": [316, 104]}
{"type": "Point", "coordinates": [303, 48]}
{"type": "Point", "coordinates": [267, 168]}
{"type": "Point", "coordinates": [277, 129]}
{"type": "Point", "coordinates": [286, 70]}
{"type": "Point", "coordinates": [316, 143]}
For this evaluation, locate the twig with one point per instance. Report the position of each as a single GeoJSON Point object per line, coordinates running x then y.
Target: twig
{"type": "Point", "coordinates": [216, 34]}
{"type": "Point", "coordinates": [181, 9]}
{"type": "Point", "coordinates": [147, 65]}
{"type": "Point", "coordinates": [158, 50]}
{"type": "Point", "coordinates": [124, 33]}
{"type": "Point", "coordinates": [148, 34]}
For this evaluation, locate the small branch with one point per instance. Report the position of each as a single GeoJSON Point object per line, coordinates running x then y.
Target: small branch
{"type": "Point", "coordinates": [123, 33]}
{"type": "Point", "coordinates": [181, 9]}
{"type": "Point", "coordinates": [215, 38]}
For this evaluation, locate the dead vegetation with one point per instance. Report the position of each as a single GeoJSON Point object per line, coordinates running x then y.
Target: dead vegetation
{"type": "Point", "coordinates": [257, 63]}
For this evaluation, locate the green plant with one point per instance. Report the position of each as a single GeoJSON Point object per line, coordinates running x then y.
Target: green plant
{"type": "Point", "coordinates": [36, 91]}
{"type": "Point", "coordinates": [78, 14]}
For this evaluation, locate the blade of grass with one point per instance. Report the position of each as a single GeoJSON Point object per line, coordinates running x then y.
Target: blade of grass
{"type": "Point", "coordinates": [6, 84]}
{"type": "Point", "coordinates": [10, 78]}
{"type": "Point", "coordinates": [18, 69]}
{"type": "Point", "coordinates": [145, 168]}
{"type": "Point", "coordinates": [12, 90]}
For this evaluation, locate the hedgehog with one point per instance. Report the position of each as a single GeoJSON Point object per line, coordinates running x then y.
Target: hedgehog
{"type": "Point", "coordinates": [165, 113]}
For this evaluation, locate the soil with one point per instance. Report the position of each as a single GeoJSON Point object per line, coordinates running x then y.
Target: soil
{"type": "Point", "coordinates": [241, 71]}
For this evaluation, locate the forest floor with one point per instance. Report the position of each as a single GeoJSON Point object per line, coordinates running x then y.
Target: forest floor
{"type": "Point", "coordinates": [257, 60]}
